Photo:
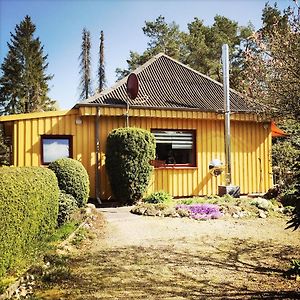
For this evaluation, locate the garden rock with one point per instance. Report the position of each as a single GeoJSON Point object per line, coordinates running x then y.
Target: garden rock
{"type": "Point", "coordinates": [262, 214]}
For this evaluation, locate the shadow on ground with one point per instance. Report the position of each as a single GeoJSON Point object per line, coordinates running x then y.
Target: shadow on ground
{"type": "Point", "coordinates": [181, 269]}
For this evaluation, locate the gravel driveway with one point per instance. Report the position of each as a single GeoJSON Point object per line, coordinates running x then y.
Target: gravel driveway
{"type": "Point", "coordinates": [138, 257]}
{"type": "Point", "coordinates": [125, 228]}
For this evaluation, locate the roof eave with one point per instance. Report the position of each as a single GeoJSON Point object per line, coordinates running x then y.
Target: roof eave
{"type": "Point", "coordinates": [161, 108]}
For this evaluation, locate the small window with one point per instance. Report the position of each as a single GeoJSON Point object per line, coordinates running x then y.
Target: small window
{"type": "Point", "coordinates": [174, 148]}
{"type": "Point", "coordinates": [56, 146]}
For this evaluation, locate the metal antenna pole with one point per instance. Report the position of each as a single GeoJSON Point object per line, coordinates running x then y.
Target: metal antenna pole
{"type": "Point", "coordinates": [127, 113]}
{"type": "Point", "coordinates": [225, 63]}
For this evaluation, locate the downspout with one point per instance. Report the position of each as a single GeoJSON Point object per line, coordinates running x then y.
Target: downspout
{"type": "Point", "coordinates": [97, 179]}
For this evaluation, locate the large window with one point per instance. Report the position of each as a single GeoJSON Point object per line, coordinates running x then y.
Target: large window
{"type": "Point", "coordinates": [56, 146]}
{"type": "Point", "coordinates": [174, 148]}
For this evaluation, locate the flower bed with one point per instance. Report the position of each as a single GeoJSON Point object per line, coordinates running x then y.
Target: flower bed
{"type": "Point", "coordinates": [201, 211]}
{"type": "Point", "coordinates": [193, 211]}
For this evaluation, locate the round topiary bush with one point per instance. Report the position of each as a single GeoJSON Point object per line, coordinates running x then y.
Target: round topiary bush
{"type": "Point", "coordinates": [72, 179]}
{"type": "Point", "coordinates": [66, 207]}
{"type": "Point", "coordinates": [128, 155]}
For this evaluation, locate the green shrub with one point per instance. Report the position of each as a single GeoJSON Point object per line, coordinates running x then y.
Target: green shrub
{"type": "Point", "coordinates": [128, 155]}
{"type": "Point", "coordinates": [159, 197]}
{"type": "Point", "coordinates": [294, 269]}
{"type": "Point", "coordinates": [263, 204]}
{"type": "Point", "coordinates": [66, 207]}
{"type": "Point", "coordinates": [72, 179]}
{"type": "Point", "coordinates": [150, 209]}
{"type": "Point", "coordinates": [286, 162]}
{"type": "Point", "coordinates": [28, 210]}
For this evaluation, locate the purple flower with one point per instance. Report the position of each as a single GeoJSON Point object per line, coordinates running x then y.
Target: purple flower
{"type": "Point", "coordinates": [201, 211]}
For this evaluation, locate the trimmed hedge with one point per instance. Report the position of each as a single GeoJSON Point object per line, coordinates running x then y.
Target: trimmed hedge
{"type": "Point", "coordinates": [128, 155]}
{"type": "Point", "coordinates": [72, 179]}
{"type": "Point", "coordinates": [28, 210]}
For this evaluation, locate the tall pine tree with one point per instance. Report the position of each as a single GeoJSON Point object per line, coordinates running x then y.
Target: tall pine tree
{"type": "Point", "coordinates": [101, 68]}
{"type": "Point", "coordinates": [24, 82]}
{"type": "Point", "coordinates": [85, 66]}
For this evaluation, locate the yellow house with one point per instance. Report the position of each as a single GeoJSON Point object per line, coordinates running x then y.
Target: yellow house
{"type": "Point", "coordinates": [184, 110]}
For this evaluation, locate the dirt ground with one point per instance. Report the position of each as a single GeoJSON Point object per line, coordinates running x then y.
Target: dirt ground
{"type": "Point", "coordinates": [138, 257]}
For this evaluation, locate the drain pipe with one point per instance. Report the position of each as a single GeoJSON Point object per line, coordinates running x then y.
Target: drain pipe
{"type": "Point", "coordinates": [97, 140]}
{"type": "Point", "coordinates": [225, 62]}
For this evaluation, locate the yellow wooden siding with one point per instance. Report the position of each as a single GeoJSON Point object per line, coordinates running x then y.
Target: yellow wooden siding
{"type": "Point", "coordinates": [250, 142]}
{"type": "Point", "coordinates": [27, 140]}
{"type": "Point", "coordinates": [251, 146]}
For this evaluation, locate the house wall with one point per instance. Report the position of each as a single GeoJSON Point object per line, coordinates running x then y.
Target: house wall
{"type": "Point", "coordinates": [250, 153]}
{"type": "Point", "coordinates": [27, 139]}
{"type": "Point", "coordinates": [251, 146]}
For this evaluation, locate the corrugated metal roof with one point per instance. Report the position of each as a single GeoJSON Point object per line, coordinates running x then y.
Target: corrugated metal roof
{"type": "Point", "coordinates": [167, 83]}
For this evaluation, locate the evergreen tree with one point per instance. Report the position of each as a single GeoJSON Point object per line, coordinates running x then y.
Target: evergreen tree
{"type": "Point", "coordinates": [24, 82]}
{"type": "Point", "coordinates": [203, 46]}
{"type": "Point", "coordinates": [164, 37]}
{"type": "Point", "coordinates": [101, 68]}
{"type": "Point", "coordinates": [85, 66]}
{"type": "Point", "coordinates": [200, 47]}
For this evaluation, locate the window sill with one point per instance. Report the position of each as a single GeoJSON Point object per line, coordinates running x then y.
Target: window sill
{"type": "Point", "coordinates": [172, 167]}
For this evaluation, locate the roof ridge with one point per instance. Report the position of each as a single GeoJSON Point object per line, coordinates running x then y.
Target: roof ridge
{"type": "Point", "coordinates": [204, 93]}
{"type": "Point", "coordinates": [147, 63]}
{"type": "Point", "coordinates": [199, 73]}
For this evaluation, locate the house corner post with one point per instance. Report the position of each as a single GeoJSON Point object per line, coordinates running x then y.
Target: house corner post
{"type": "Point", "coordinates": [97, 140]}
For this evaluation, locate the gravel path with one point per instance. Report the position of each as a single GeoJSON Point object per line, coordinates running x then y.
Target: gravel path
{"type": "Point", "coordinates": [138, 257]}
{"type": "Point", "coordinates": [125, 228]}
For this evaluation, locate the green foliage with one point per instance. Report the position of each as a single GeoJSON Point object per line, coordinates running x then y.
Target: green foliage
{"type": "Point", "coordinates": [128, 155]}
{"type": "Point", "coordinates": [24, 84]}
{"type": "Point", "coordinates": [64, 231]}
{"type": "Point", "coordinates": [203, 47]}
{"type": "Point", "coordinates": [213, 199]}
{"type": "Point", "coordinates": [72, 179]}
{"type": "Point", "coordinates": [285, 155]}
{"type": "Point", "coordinates": [4, 150]}
{"type": "Point", "coordinates": [294, 222]}
{"type": "Point", "coordinates": [28, 209]}
{"type": "Point", "coordinates": [263, 204]}
{"type": "Point", "coordinates": [200, 47]}
{"type": "Point", "coordinates": [67, 206]}
{"type": "Point", "coordinates": [80, 235]}
{"type": "Point", "coordinates": [158, 209]}
{"type": "Point", "coordinates": [158, 197]}
{"type": "Point", "coordinates": [272, 75]}
{"type": "Point", "coordinates": [286, 168]}
{"type": "Point", "coordinates": [294, 270]}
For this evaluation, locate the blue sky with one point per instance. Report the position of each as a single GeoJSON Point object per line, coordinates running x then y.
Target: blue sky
{"type": "Point", "coordinates": [60, 23]}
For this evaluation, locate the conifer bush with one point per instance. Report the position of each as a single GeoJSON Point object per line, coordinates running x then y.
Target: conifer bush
{"type": "Point", "coordinates": [66, 207]}
{"type": "Point", "coordinates": [128, 155]}
{"type": "Point", "coordinates": [28, 210]}
{"type": "Point", "coordinates": [72, 179]}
